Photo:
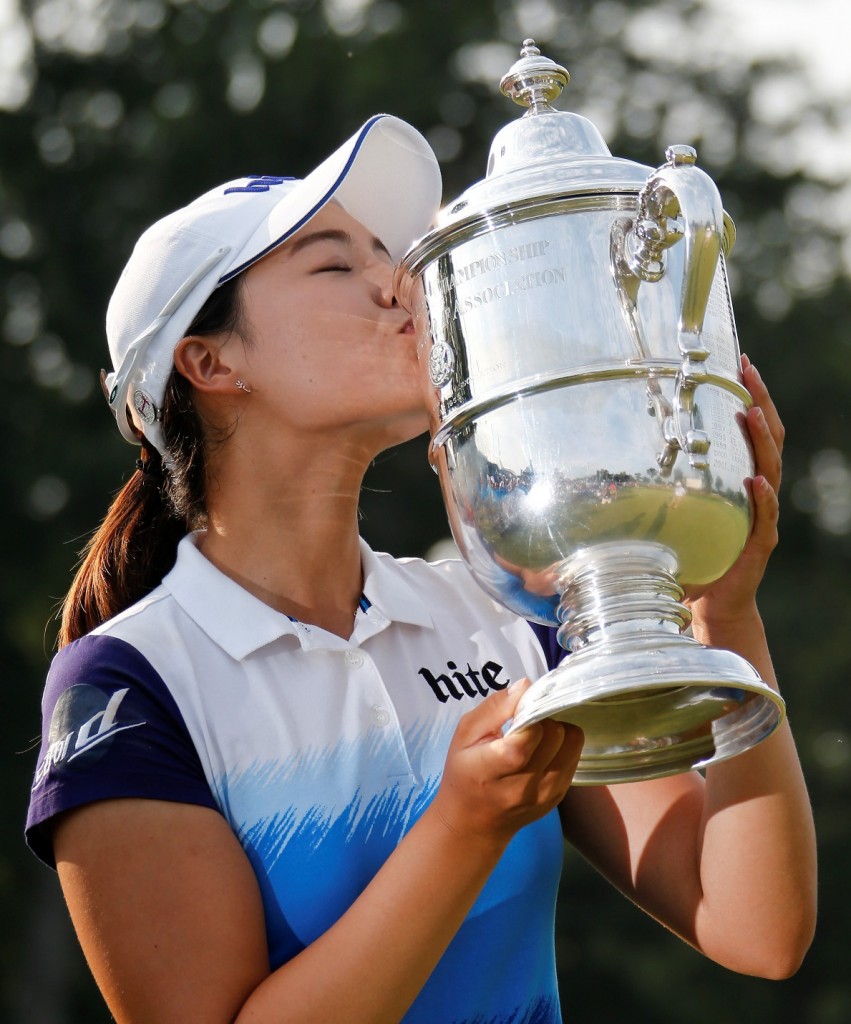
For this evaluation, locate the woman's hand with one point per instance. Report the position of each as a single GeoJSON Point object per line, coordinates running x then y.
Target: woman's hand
{"type": "Point", "coordinates": [492, 784]}
{"type": "Point", "coordinates": [728, 600]}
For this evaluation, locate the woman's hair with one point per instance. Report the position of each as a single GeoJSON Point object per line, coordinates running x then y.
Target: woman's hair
{"type": "Point", "coordinates": [136, 544]}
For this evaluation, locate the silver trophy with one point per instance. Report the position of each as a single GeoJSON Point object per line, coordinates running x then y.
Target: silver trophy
{"type": "Point", "coordinates": [586, 402]}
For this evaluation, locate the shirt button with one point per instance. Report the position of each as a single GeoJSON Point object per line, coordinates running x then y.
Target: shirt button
{"type": "Point", "coordinates": [354, 658]}
{"type": "Point", "coordinates": [380, 715]}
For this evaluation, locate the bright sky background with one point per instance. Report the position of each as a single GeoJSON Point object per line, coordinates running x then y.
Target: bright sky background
{"type": "Point", "coordinates": [817, 31]}
{"type": "Point", "coordinates": [814, 33]}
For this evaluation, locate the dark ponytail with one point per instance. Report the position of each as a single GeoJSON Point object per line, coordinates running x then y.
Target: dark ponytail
{"type": "Point", "coordinates": [136, 544]}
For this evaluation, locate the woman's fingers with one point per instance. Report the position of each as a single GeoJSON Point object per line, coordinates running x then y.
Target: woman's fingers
{"type": "Point", "coordinates": [550, 768]}
{"type": "Point", "coordinates": [735, 591]}
{"type": "Point", "coordinates": [767, 459]}
{"type": "Point", "coordinates": [765, 427]}
{"type": "Point", "coordinates": [764, 535]}
{"type": "Point", "coordinates": [535, 745]}
{"type": "Point", "coordinates": [486, 719]}
{"type": "Point", "coordinates": [560, 770]}
{"type": "Point", "coordinates": [494, 783]}
{"type": "Point", "coordinates": [762, 399]}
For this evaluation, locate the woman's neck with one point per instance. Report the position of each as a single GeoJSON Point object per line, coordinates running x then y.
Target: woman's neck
{"type": "Point", "coordinates": [290, 539]}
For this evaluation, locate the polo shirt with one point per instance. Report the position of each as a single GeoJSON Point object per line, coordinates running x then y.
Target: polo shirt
{"type": "Point", "coordinates": [320, 752]}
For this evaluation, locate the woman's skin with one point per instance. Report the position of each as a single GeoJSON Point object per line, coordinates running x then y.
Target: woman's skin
{"type": "Point", "coordinates": [162, 895]}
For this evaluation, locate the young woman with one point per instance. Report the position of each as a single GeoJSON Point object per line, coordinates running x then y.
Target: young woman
{"type": "Point", "coordinates": [259, 808]}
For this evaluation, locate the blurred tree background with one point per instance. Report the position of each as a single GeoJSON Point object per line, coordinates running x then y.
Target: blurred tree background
{"type": "Point", "coordinates": [113, 112]}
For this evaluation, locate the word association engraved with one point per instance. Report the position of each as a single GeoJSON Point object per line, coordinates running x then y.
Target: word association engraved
{"type": "Point", "coordinates": [471, 683]}
{"type": "Point", "coordinates": [458, 284]}
{"type": "Point", "coordinates": [502, 289]}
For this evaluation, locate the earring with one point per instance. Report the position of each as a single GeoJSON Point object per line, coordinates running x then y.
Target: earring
{"type": "Point", "coordinates": [243, 387]}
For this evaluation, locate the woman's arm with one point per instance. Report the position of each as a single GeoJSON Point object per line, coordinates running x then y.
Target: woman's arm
{"type": "Point", "coordinates": [728, 863]}
{"type": "Point", "coordinates": [169, 914]}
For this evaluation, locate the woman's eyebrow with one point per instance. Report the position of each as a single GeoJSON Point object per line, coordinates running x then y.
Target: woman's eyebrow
{"type": "Point", "coordinates": [379, 246]}
{"type": "Point", "coordinates": [333, 235]}
{"type": "Point", "coordinates": [328, 235]}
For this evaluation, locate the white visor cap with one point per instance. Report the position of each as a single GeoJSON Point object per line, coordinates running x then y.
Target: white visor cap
{"type": "Point", "coordinates": [386, 176]}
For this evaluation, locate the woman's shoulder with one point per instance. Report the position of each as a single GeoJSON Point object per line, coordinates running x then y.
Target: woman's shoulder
{"type": "Point", "coordinates": [110, 728]}
{"type": "Point", "coordinates": [104, 671]}
{"type": "Point", "coordinates": [447, 564]}
{"type": "Point", "coordinates": [445, 575]}
{"type": "Point", "coordinates": [104, 679]}
{"type": "Point", "coordinates": [448, 583]}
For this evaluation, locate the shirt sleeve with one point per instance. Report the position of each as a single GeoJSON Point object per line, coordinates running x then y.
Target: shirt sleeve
{"type": "Point", "coordinates": [111, 728]}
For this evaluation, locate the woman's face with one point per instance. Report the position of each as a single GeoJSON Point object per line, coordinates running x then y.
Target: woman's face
{"type": "Point", "coordinates": [329, 348]}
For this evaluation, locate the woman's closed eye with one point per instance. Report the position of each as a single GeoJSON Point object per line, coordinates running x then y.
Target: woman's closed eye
{"type": "Point", "coordinates": [337, 265]}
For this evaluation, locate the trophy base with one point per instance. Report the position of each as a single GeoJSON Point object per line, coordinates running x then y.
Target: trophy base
{"type": "Point", "coordinates": [654, 705]}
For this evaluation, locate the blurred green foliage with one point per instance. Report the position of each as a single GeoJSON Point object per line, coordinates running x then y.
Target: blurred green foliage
{"type": "Point", "coordinates": [124, 109]}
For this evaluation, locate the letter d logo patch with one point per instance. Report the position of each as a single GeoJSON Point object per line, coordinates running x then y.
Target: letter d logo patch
{"type": "Point", "coordinates": [83, 725]}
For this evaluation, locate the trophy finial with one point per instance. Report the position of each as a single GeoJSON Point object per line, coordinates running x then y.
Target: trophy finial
{"type": "Point", "coordinates": [534, 81]}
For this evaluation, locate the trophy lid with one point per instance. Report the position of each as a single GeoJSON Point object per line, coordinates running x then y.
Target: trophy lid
{"type": "Point", "coordinates": [546, 152]}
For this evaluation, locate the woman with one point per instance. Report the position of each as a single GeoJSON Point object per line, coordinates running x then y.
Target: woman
{"type": "Point", "coordinates": [259, 807]}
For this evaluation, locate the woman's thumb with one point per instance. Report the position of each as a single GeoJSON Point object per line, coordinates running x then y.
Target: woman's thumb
{"type": "Point", "coordinates": [491, 714]}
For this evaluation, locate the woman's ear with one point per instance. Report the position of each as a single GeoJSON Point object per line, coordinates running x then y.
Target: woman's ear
{"type": "Point", "coordinates": [203, 362]}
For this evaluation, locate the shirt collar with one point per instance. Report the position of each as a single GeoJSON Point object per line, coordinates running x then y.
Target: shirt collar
{"type": "Point", "coordinates": [241, 623]}
{"type": "Point", "coordinates": [236, 620]}
{"type": "Point", "coordinates": [386, 587]}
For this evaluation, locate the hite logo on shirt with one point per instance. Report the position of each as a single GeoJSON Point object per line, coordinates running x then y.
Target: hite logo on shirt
{"type": "Point", "coordinates": [469, 682]}
{"type": "Point", "coordinates": [84, 722]}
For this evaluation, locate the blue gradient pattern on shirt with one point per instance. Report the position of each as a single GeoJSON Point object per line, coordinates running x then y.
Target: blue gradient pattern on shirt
{"type": "Point", "coordinates": [315, 858]}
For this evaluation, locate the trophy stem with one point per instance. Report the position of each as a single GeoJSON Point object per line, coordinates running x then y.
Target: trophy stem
{"type": "Point", "coordinates": [650, 701]}
{"type": "Point", "coordinates": [613, 589]}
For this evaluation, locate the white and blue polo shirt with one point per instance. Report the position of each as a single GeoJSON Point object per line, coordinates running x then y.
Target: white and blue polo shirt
{"type": "Point", "coordinates": [320, 752]}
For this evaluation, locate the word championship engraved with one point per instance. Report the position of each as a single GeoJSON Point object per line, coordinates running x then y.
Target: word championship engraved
{"type": "Point", "coordinates": [468, 283]}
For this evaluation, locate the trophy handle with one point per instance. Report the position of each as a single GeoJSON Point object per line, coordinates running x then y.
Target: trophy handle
{"type": "Point", "coordinates": [679, 189]}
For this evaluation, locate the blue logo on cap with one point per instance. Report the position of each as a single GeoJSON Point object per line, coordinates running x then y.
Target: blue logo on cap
{"type": "Point", "coordinates": [259, 183]}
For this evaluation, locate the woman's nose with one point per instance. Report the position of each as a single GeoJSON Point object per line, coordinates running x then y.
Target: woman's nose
{"type": "Point", "coordinates": [381, 276]}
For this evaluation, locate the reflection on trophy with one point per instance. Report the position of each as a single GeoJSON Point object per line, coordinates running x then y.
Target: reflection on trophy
{"type": "Point", "coordinates": [587, 407]}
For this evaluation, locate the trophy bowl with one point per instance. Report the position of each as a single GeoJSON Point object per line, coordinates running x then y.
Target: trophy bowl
{"type": "Point", "coordinates": [582, 373]}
